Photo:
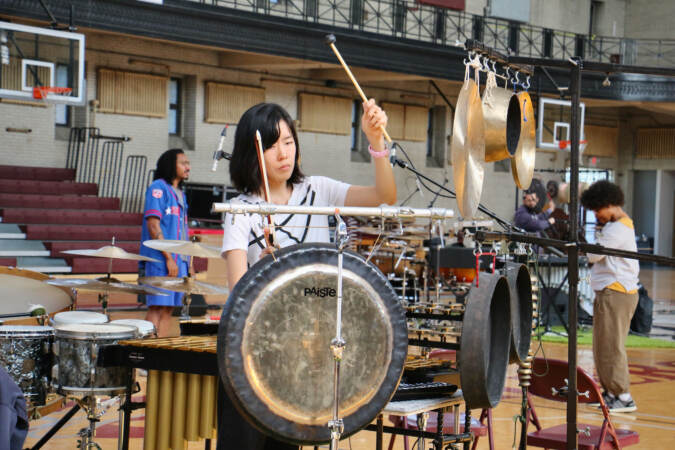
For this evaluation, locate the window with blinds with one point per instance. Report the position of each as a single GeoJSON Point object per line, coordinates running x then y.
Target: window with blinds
{"type": "Point", "coordinates": [325, 113]}
{"type": "Point", "coordinates": [225, 103]}
{"type": "Point", "coordinates": [131, 93]}
{"type": "Point", "coordinates": [655, 143]}
{"type": "Point", "coordinates": [407, 122]}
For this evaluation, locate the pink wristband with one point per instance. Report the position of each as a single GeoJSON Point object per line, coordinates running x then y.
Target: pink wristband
{"type": "Point", "coordinates": [383, 154]}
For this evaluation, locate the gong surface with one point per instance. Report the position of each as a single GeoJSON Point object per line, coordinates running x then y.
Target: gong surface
{"type": "Point", "coordinates": [485, 342]}
{"type": "Point", "coordinates": [468, 149]}
{"type": "Point", "coordinates": [522, 163]}
{"type": "Point", "coordinates": [274, 339]}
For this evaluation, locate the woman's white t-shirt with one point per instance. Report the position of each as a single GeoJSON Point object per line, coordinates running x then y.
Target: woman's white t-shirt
{"type": "Point", "coordinates": [245, 231]}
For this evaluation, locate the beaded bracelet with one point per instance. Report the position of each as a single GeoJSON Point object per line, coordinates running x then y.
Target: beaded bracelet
{"type": "Point", "coordinates": [383, 154]}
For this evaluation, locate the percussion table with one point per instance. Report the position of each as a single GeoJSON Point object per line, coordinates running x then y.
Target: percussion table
{"type": "Point", "coordinates": [405, 408]}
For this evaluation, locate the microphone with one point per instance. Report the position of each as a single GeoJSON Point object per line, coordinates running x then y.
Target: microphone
{"type": "Point", "coordinates": [219, 153]}
{"type": "Point", "coordinates": [392, 155]}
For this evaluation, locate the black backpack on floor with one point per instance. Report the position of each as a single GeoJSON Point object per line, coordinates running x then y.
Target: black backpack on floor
{"type": "Point", "coordinates": [641, 323]}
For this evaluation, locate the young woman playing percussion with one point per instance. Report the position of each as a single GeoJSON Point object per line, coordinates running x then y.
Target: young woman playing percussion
{"type": "Point", "coordinates": [244, 239]}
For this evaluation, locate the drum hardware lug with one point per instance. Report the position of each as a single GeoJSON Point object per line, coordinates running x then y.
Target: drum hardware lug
{"type": "Point", "coordinates": [336, 427]}
{"type": "Point", "coordinates": [337, 345]}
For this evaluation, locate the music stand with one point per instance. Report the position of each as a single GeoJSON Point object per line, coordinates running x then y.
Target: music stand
{"type": "Point", "coordinates": [551, 293]}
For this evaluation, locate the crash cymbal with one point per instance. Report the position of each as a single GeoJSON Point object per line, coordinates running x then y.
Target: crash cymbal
{"type": "Point", "coordinates": [186, 248]}
{"type": "Point", "coordinates": [110, 251]}
{"type": "Point", "coordinates": [522, 163]}
{"type": "Point", "coordinates": [468, 149]}
{"type": "Point", "coordinates": [19, 293]}
{"type": "Point", "coordinates": [105, 285]}
{"type": "Point", "coordinates": [187, 285]}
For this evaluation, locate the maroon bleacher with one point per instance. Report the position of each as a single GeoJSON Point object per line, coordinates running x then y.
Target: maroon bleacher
{"type": "Point", "coordinates": [49, 206]}
{"type": "Point", "coordinates": [36, 173]}
{"type": "Point", "coordinates": [47, 201]}
{"type": "Point", "coordinates": [47, 187]}
{"type": "Point", "coordinates": [82, 232]}
{"type": "Point", "coordinates": [65, 216]}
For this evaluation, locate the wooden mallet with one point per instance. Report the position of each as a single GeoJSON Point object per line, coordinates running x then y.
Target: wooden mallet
{"type": "Point", "coordinates": [330, 40]}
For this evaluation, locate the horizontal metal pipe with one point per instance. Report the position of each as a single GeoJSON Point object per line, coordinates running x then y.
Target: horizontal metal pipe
{"type": "Point", "coordinates": [564, 245]}
{"type": "Point", "coordinates": [359, 211]}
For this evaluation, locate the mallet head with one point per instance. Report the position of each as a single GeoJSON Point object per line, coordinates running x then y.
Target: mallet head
{"type": "Point", "coordinates": [330, 39]}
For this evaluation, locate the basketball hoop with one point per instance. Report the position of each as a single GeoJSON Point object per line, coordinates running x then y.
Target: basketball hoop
{"type": "Point", "coordinates": [565, 145]}
{"type": "Point", "coordinates": [41, 92]}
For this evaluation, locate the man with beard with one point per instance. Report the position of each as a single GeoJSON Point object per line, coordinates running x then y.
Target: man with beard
{"type": "Point", "coordinates": [527, 216]}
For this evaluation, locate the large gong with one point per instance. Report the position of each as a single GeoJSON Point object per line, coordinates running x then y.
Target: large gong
{"type": "Point", "coordinates": [274, 338]}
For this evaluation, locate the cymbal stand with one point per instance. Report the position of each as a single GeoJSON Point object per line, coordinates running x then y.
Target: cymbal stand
{"type": "Point", "coordinates": [94, 412]}
{"type": "Point", "coordinates": [338, 344]}
{"type": "Point", "coordinates": [187, 299]}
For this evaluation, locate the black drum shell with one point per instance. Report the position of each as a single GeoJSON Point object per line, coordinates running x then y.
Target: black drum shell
{"type": "Point", "coordinates": [231, 328]}
{"type": "Point", "coordinates": [485, 342]}
{"type": "Point", "coordinates": [520, 285]}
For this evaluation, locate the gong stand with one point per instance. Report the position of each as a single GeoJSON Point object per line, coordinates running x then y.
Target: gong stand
{"type": "Point", "coordinates": [337, 345]}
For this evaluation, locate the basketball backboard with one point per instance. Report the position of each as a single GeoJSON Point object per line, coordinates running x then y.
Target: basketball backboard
{"type": "Point", "coordinates": [34, 57]}
{"type": "Point", "coordinates": [553, 122]}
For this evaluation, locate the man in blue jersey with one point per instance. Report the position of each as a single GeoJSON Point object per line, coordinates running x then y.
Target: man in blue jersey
{"type": "Point", "coordinates": [165, 217]}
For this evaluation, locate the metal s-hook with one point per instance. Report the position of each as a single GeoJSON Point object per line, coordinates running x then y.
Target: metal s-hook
{"type": "Point", "coordinates": [527, 81]}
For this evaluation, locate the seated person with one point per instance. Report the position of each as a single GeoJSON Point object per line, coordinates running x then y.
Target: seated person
{"type": "Point", "coordinates": [527, 216]}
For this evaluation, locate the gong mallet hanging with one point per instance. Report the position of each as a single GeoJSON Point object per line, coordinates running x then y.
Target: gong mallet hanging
{"type": "Point", "coordinates": [330, 40]}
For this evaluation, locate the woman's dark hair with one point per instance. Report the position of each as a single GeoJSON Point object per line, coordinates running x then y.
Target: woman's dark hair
{"type": "Point", "coordinates": [601, 194]}
{"type": "Point", "coordinates": [264, 117]}
{"type": "Point", "coordinates": [166, 166]}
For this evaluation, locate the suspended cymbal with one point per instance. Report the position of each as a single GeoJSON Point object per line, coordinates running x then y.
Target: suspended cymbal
{"type": "Point", "coordinates": [105, 285]}
{"type": "Point", "coordinates": [110, 251]}
{"type": "Point", "coordinates": [186, 284]}
{"type": "Point", "coordinates": [186, 248]}
{"type": "Point", "coordinates": [20, 292]}
{"type": "Point", "coordinates": [522, 163]}
{"type": "Point", "coordinates": [468, 149]}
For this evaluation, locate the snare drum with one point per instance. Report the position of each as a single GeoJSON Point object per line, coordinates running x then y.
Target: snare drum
{"type": "Point", "coordinates": [70, 317]}
{"type": "Point", "coordinates": [76, 349]}
{"type": "Point", "coordinates": [145, 327]}
{"type": "Point", "coordinates": [25, 352]}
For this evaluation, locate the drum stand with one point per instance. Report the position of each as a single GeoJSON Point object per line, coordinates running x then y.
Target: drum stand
{"type": "Point", "coordinates": [337, 345]}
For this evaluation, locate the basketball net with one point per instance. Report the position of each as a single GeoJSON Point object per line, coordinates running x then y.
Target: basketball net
{"type": "Point", "coordinates": [43, 92]}
{"type": "Point", "coordinates": [565, 145]}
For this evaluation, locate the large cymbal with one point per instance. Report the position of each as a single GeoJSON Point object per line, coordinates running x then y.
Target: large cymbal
{"type": "Point", "coordinates": [110, 251]}
{"type": "Point", "coordinates": [186, 248]}
{"type": "Point", "coordinates": [187, 285]}
{"type": "Point", "coordinates": [468, 149]}
{"type": "Point", "coordinates": [20, 292]}
{"type": "Point", "coordinates": [522, 163]}
{"type": "Point", "coordinates": [105, 285]}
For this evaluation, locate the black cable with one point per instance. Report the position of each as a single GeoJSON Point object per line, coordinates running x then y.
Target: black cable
{"type": "Point", "coordinates": [412, 165]}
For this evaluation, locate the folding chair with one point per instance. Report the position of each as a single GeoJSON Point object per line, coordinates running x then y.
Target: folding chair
{"type": "Point", "coordinates": [552, 385]}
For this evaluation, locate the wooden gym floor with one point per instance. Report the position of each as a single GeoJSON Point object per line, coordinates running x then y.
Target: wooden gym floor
{"type": "Point", "coordinates": [652, 387]}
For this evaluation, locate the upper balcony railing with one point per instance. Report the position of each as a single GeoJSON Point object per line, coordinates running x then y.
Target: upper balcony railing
{"type": "Point", "coordinates": [416, 21]}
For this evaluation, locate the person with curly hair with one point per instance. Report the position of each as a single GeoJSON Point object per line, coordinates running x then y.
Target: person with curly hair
{"type": "Point", "coordinates": [615, 282]}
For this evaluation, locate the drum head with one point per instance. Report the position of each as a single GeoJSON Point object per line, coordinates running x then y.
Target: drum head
{"type": "Point", "coordinates": [486, 341]}
{"type": "Point", "coordinates": [68, 317]}
{"type": "Point", "coordinates": [274, 353]}
{"type": "Point", "coordinates": [145, 327]}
